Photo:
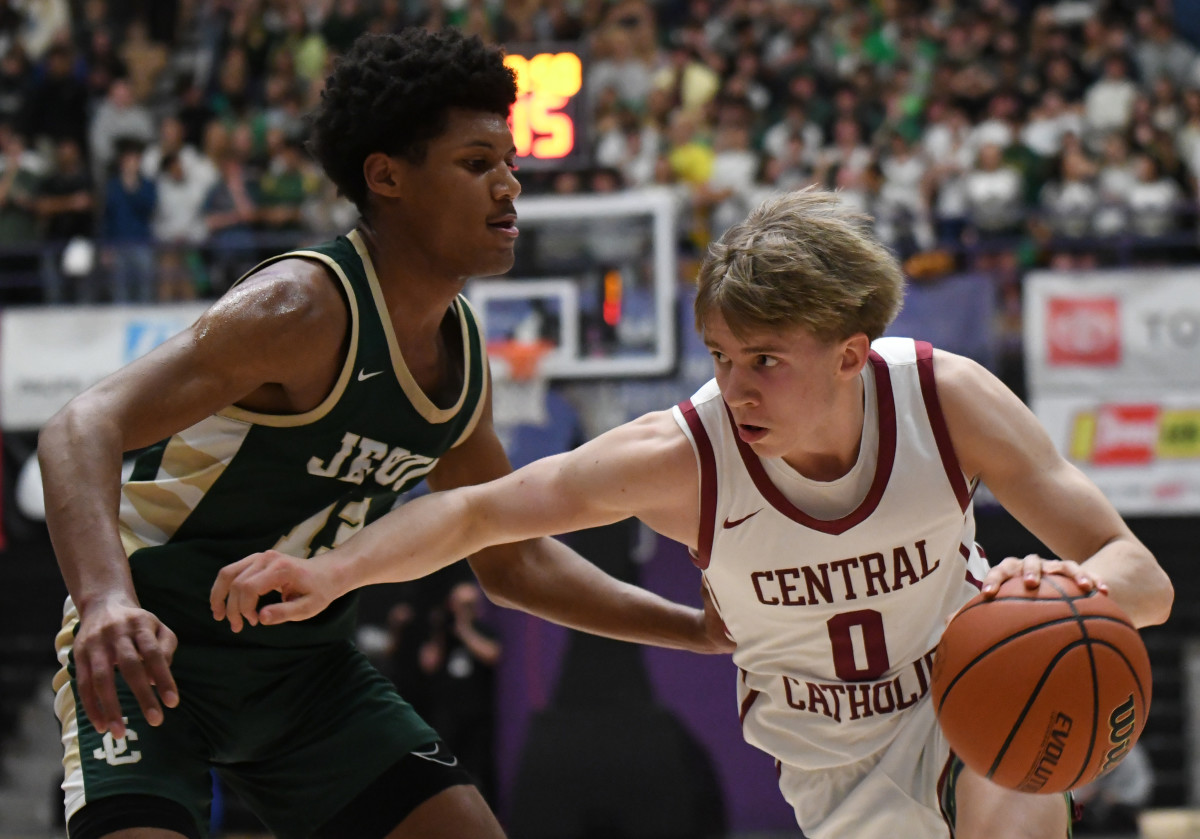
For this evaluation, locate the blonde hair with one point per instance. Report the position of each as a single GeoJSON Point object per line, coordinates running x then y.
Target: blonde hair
{"type": "Point", "coordinates": [804, 259]}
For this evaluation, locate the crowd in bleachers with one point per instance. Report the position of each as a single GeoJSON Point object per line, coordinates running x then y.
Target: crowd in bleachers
{"type": "Point", "coordinates": [1051, 128]}
{"type": "Point", "coordinates": [152, 150]}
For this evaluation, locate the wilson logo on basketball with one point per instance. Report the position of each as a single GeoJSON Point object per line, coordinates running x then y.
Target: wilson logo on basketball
{"type": "Point", "coordinates": [1083, 331]}
{"type": "Point", "coordinates": [1122, 722]}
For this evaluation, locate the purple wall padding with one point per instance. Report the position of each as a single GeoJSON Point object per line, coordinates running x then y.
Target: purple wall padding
{"type": "Point", "coordinates": [698, 689]}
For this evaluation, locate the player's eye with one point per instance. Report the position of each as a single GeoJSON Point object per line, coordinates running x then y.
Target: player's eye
{"type": "Point", "coordinates": [767, 361]}
{"type": "Point", "coordinates": [718, 356]}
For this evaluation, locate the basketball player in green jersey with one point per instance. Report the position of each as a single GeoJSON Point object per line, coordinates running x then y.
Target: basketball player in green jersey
{"type": "Point", "coordinates": [288, 416]}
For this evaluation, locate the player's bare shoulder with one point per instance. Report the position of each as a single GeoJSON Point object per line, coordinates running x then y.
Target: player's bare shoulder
{"type": "Point", "coordinates": [289, 322]}
{"type": "Point", "coordinates": [966, 389]}
{"type": "Point", "coordinates": [956, 373]}
{"type": "Point", "coordinates": [291, 296]}
{"type": "Point", "coordinates": [988, 424]}
{"type": "Point", "coordinates": [656, 439]}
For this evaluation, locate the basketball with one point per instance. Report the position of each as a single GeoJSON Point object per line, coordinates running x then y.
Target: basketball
{"type": "Point", "coordinates": [1041, 691]}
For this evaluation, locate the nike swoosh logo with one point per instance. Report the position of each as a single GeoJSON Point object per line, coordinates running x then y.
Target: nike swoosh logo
{"type": "Point", "coordinates": [363, 375]}
{"type": "Point", "coordinates": [728, 524]}
{"type": "Point", "coordinates": [432, 756]}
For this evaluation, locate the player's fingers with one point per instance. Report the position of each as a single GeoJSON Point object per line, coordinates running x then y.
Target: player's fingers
{"type": "Point", "coordinates": [254, 583]}
{"type": "Point", "coordinates": [225, 578]}
{"type": "Point", "coordinates": [1031, 570]}
{"type": "Point", "coordinates": [158, 664]}
{"type": "Point", "coordinates": [103, 687]}
{"type": "Point", "coordinates": [1082, 577]}
{"type": "Point", "coordinates": [87, 693]}
{"type": "Point", "coordinates": [233, 609]}
{"type": "Point", "coordinates": [133, 669]}
{"type": "Point", "coordinates": [997, 574]}
{"type": "Point", "coordinates": [300, 608]}
{"type": "Point", "coordinates": [168, 642]}
{"type": "Point", "coordinates": [241, 603]}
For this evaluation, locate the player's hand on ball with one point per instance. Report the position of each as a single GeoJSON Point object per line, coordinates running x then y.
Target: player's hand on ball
{"type": "Point", "coordinates": [1041, 690]}
{"type": "Point", "coordinates": [1032, 567]}
{"type": "Point", "coordinates": [238, 587]}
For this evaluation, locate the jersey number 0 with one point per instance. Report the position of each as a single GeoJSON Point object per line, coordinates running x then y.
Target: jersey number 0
{"type": "Point", "coordinates": [858, 637]}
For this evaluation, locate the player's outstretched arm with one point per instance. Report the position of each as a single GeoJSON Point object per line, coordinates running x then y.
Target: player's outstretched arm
{"type": "Point", "coordinates": [997, 438]}
{"type": "Point", "coordinates": [422, 536]}
{"type": "Point", "coordinates": [242, 343]}
{"type": "Point", "coordinates": [646, 469]}
{"type": "Point", "coordinates": [643, 469]}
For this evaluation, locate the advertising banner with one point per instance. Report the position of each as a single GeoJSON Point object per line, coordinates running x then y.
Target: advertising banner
{"type": "Point", "coordinates": [48, 355]}
{"type": "Point", "coordinates": [1113, 364]}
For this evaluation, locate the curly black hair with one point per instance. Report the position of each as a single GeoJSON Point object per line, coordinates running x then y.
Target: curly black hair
{"type": "Point", "coordinates": [392, 93]}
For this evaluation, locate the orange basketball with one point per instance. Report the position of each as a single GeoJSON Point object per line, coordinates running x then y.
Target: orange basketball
{"type": "Point", "coordinates": [1041, 691]}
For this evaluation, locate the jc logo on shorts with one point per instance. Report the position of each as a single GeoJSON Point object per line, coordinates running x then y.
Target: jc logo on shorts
{"type": "Point", "coordinates": [117, 752]}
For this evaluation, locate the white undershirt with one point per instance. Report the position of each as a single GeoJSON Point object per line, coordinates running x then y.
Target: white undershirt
{"type": "Point", "coordinates": [829, 500]}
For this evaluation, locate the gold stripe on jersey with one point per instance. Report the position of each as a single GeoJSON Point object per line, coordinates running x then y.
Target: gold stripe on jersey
{"type": "Point", "coordinates": [483, 391]}
{"type": "Point", "coordinates": [187, 463]}
{"type": "Point", "coordinates": [63, 642]}
{"type": "Point", "coordinates": [130, 540]}
{"type": "Point", "coordinates": [193, 460]}
{"type": "Point", "coordinates": [212, 441]}
{"type": "Point", "coordinates": [65, 710]}
{"type": "Point", "coordinates": [422, 403]}
{"type": "Point", "coordinates": [290, 420]}
{"type": "Point", "coordinates": [152, 511]}
{"type": "Point", "coordinates": [218, 437]}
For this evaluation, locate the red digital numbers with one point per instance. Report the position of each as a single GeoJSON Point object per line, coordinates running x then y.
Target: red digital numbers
{"type": "Point", "coordinates": [543, 126]}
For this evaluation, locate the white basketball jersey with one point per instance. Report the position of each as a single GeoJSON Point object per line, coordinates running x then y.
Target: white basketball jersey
{"type": "Point", "coordinates": [836, 619]}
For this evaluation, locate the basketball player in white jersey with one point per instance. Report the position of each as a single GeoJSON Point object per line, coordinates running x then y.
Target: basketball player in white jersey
{"type": "Point", "coordinates": [823, 481]}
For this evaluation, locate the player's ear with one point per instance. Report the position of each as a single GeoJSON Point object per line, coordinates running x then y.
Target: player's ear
{"type": "Point", "coordinates": [855, 350]}
{"type": "Point", "coordinates": [382, 174]}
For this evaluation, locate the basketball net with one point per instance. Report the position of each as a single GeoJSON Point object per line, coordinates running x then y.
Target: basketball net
{"type": "Point", "coordinates": [518, 385]}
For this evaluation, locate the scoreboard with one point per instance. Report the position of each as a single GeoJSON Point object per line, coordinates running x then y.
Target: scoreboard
{"type": "Point", "coordinates": [549, 119]}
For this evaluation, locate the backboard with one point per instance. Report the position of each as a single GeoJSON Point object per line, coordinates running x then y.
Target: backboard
{"type": "Point", "coordinates": [595, 276]}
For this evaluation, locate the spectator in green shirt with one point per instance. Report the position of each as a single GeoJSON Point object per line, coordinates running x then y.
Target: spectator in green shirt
{"type": "Point", "coordinates": [19, 177]}
{"type": "Point", "coordinates": [18, 189]}
{"type": "Point", "coordinates": [285, 187]}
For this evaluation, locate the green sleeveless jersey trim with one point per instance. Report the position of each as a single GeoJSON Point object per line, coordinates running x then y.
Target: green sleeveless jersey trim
{"type": "Point", "coordinates": [239, 482]}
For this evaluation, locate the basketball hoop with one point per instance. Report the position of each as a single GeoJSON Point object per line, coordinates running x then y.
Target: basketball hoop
{"type": "Point", "coordinates": [518, 386]}
{"type": "Point", "coordinates": [520, 360]}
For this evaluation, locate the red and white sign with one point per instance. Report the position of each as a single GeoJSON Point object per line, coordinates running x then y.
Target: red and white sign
{"type": "Point", "coordinates": [1113, 366]}
{"type": "Point", "coordinates": [1125, 435]}
{"type": "Point", "coordinates": [1115, 331]}
{"type": "Point", "coordinates": [1144, 457]}
{"type": "Point", "coordinates": [1083, 331]}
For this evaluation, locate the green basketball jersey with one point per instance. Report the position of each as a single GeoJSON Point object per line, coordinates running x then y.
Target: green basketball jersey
{"type": "Point", "coordinates": [240, 482]}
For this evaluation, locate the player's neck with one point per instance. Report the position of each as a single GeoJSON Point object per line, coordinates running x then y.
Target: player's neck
{"type": "Point", "coordinates": [831, 450]}
{"type": "Point", "coordinates": [416, 299]}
